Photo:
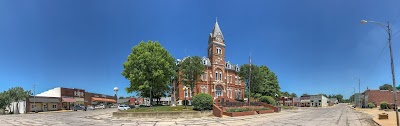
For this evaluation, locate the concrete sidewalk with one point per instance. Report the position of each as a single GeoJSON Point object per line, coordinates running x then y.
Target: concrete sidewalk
{"type": "Point", "coordinates": [50, 112]}
{"type": "Point", "coordinates": [374, 113]}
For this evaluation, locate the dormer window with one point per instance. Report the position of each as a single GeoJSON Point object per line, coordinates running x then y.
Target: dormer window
{"type": "Point", "coordinates": [204, 62]}
{"type": "Point", "coordinates": [219, 51]}
{"type": "Point", "coordinates": [237, 68]}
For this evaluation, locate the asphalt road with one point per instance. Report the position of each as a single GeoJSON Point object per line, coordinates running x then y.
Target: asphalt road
{"type": "Point", "coordinates": [339, 115]}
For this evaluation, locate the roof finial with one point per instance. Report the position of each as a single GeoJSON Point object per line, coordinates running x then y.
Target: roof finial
{"type": "Point", "coordinates": [216, 19]}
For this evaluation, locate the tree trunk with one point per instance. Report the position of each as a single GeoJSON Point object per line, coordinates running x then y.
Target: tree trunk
{"type": "Point", "coordinates": [17, 112]}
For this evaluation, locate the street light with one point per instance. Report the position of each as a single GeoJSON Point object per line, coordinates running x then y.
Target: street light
{"type": "Point", "coordinates": [389, 32]}
{"type": "Point", "coordinates": [185, 89]}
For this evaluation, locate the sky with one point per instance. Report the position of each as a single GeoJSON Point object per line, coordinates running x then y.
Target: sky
{"type": "Point", "coordinates": [313, 46]}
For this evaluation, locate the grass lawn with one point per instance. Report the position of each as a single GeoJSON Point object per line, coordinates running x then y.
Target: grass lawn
{"type": "Point", "coordinates": [161, 108]}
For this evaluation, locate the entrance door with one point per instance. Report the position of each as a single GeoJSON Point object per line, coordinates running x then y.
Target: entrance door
{"type": "Point", "coordinates": [218, 92]}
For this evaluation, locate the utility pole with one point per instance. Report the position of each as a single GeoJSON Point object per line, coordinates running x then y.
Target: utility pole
{"type": "Point", "coordinates": [389, 32]}
{"type": "Point", "coordinates": [248, 97]}
{"type": "Point", "coordinates": [34, 96]}
{"type": "Point", "coordinates": [359, 94]}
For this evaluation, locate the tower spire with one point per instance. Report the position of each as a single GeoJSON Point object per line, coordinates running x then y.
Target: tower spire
{"type": "Point", "coordinates": [216, 19]}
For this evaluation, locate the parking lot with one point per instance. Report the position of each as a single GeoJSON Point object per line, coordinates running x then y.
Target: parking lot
{"type": "Point", "coordinates": [340, 115]}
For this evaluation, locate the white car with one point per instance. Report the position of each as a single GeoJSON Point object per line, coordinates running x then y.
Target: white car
{"type": "Point", "coordinates": [100, 107]}
{"type": "Point", "coordinates": [123, 107]}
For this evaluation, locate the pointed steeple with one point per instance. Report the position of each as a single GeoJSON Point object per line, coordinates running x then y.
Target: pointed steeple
{"type": "Point", "coordinates": [216, 30]}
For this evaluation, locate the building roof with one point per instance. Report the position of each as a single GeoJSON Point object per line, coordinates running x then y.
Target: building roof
{"type": "Point", "coordinates": [216, 30]}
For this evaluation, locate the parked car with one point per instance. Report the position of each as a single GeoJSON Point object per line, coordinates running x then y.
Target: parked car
{"type": "Point", "coordinates": [123, 107]}
{"type": "Point", "coordinates": [79, 107]}
{"type": "Point", "coordinates": [132, 106]}
{"type": "Point", "coordinates": [100, 107]}
{"type": "Point", "coordinates": [113, 106]}
{"type": "Point", "coordinates": [89, 107]}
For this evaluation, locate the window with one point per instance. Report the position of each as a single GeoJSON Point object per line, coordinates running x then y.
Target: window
{"type": "Point", "coordinates": [220, 75]}
{"type": "Point", "coordinates": [219, 51]}
{"type": "Point", "coordinates": [33, 106]}
{"type": "Point", "coordinates": [204, 62]}
{"type": "Point", "coordinates": [203, 89]}
{"type": "Point", "coordinates": [54, 106]}
{"type": "Point", "coordinates": [216, 75]}
{"type": "Point", "coordinates": [218, 92]}
{"type": "Point", "coordinates": [185, 92]}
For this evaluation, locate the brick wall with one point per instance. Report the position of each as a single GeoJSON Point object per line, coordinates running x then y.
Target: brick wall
{"type": "Point", "coordinates": [378, 96]}
{"type": "Point", "coordinates": [217, 111]}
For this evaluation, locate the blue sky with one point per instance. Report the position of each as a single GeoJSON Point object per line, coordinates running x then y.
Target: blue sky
{"type": "Point", "coordinates": [312, 46]}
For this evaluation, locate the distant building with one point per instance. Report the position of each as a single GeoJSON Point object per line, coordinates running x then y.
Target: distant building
{"type": "Point", "coordinates": [70, 97]}
{"type": "Point", "coordinates": [378, 96]}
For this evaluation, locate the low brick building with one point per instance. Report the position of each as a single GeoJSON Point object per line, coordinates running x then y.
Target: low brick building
{"type": "Point", "coordinates": [378, 96]}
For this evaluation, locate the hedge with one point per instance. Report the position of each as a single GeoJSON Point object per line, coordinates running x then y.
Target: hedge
{"type": "Point", "coordinates": [268, 100]}
{"type": "Point", "coordinates": [384, 105]}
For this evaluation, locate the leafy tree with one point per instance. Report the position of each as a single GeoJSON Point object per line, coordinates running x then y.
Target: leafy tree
{"type": "Point", "coordinates": [398, 87]}
{"type": "Point", "coordinates": [149, 69]}
{"type": "Point", "coordinates": [293, 95]}
{"type": "Point", "coordinates": [191, 69]}
{"type": "Point", "coordinates": [18, 94]}
{"type": "Point", "coordinates": [272, 84]}
{"type": "Point", "coordinates": [5, 100]}
{"type": "Point", "coordinates": [305, 94]}
{"type": "Point", "coordinates": [339, 97]}
{"type": "Point", "coordinates": [202, 101]}
{"type": "Point", "coordinates": [263, 81]}
{"type": "Point", "coordinates": [386, 87]}
{"type": "Point", "coordinates": [286, 94]}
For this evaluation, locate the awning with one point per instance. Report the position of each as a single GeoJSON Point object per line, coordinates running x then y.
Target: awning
{"type": "Point", "coordinates": [103, 100]}
{"type": "Point", "coordinates": [68, 100]}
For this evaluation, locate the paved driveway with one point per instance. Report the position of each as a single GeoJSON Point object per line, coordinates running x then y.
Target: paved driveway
{"type": "Point", "coordinates": [340, 115]}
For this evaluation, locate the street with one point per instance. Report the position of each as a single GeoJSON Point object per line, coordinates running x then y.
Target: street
{"type": "Point", "coordinates": [339, 115]}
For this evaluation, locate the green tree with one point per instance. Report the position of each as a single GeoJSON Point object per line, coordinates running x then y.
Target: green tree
{"type": "Point", "coordinates": [191, 69]}
{"type": "Point", "coordinates": [271, 86]}
{"type": "Point", "coordinates": [305, 94]}
{"type": "Point", "coordinates": [149, 68]}
{"type": "Point", "coordinates": [293, 95]}
{"type": "Point", "coordinates": [263, 81]}
{"type": "Point", "coordinates": [5, 100]}
{"type": "Point", "coordinates": [286, 94]}
{"type": "Point", "coordinates": [386, 87]}
{"type": "Point", "coordinates": [18, 94]}
{"type": "Point", "coordinates": [398, 87]}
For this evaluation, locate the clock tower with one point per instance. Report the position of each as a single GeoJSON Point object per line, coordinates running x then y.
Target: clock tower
{"type": "Point", "coordinates": [216, 46]}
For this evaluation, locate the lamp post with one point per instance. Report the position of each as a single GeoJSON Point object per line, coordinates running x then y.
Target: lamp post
{"type": "Point", "coordinates": [185, 89]}
{"type": "Point", "coordinates": [389, 32]}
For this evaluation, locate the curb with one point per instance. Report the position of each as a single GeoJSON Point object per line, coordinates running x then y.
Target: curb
{"type": "Point", "coordinates": [376, 122]}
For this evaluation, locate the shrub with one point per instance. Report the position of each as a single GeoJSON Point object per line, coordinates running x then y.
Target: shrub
{"type": "Point", "coordinates": [238, 110]}
{"type": "Point", "coordinates": [202, 101]}
{"type": "Point", "coordinates": [264, 108]}
{"type": "Point", "coordinates": [371, 105]}
{"type": "Point", "coordinates": [268, 100]}
{"type": "Point", "coordinates": [384, 105]}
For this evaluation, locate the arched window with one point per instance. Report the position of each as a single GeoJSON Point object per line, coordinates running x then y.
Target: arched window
{"type": "Point", "coordinates": [218, 91]}
{"type": "Point", "coordinates": [204, 62]}
{"type": "Point", "coordinates": [216, 75]}
{"type": "Point", "coordinates": [220, 75]}
{"type": "Point", "coordinates": [219, 51]}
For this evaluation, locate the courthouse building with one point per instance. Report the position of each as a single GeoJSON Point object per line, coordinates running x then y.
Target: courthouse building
{"type": "Point", "coordinates": [220, 78]}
